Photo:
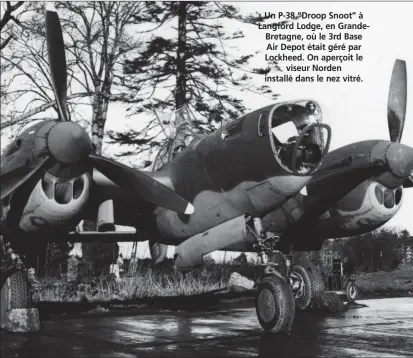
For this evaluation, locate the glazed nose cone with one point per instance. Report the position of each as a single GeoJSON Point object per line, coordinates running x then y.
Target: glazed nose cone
{"type": "Point", "coordinates": [69, 143]}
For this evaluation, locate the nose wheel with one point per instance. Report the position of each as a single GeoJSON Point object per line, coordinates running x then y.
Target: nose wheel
{"type": "Point", "coordinates": [275, 304]}
{"type": "Point", "coordinates": [284, 286]}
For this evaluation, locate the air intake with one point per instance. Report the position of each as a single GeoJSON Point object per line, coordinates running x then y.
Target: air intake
{"type": "Point", "coordinates": [63, 192]}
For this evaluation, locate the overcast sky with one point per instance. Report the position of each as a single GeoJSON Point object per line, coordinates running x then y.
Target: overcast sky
{"type": "Point", "coordinates": [355, 111]}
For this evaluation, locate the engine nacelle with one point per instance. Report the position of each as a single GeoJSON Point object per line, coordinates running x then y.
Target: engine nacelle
{"type": "Point", "coordinates": [55, 204]}
{"type": "Point", "coordinates": [365, 208]}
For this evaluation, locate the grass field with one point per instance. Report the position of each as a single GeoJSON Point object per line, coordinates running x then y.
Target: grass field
{"type": "Point", "coordinates": [163, 281]}
{"type": "Point", "coordinates": [149, 281]}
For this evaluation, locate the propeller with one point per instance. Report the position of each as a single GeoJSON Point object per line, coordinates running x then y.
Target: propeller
{"type": "Point", "coordinates": [15, 178]}
{"type": "Point", "coordinates": [397, 102]}
{"type": "Point", "coordinates": [396, 116]}
{"type": "Point", "coordinates": [69, 146]}
{"type": "Point", "coordinates": [57, 59]}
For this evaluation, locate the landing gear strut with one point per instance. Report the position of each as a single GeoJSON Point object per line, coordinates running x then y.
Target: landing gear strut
{"type": "Point", "coordinates": [284, 286]}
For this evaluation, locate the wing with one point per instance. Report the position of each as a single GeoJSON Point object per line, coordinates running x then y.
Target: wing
{"type": "Point", "coordinates": [129, 209]}
{"type": "Point", "coordinates": [141, 184]}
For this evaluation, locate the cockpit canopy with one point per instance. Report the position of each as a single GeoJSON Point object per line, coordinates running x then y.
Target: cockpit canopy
{"type": "Point", "coordinates": [299, 138]}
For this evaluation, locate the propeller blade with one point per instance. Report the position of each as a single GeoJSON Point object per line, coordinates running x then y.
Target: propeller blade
{"type": "Point", "coordinates": [57, 59]}
{"type": "Point", "coordinates": [397, 102]}
{"type": "Point", "coordinates": [138, 182]}
{"type": "Point", "coordinates": [14, 179]}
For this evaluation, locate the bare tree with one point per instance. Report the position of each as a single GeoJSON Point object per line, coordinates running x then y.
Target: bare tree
{"type": "Point", "coordinates": [96, 40]}
{"type": "Point", "coordinates": [27, 76]}
{"type": "Point", "coordinates": [7, 21]}
{"type": "Point", "coordinates": [10, 27]}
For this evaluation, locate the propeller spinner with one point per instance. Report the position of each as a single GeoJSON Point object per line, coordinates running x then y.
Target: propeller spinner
{"type": "Point", "coordinates": [65, 144]}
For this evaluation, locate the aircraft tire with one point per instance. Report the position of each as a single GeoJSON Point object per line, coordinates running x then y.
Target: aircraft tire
{"type": "Point", "coordinates": [275, 305]}
{"type": "Point", "coordinates": [351, 291]}
{"type": "Point", "coordinates": [15, 293]}
{"type": "Point", "coordinates": [318, 281]}
{"type": "Point", "coordinates": [313, 284]}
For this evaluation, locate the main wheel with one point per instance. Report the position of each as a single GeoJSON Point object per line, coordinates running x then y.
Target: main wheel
{"type": "Point", "coordinates": [310, 284]}
{"type": "Point", "coordinates": [275, 305]}
{"type": "Point", "coordinates": [15, 293]}
{"type": "Point", "coordinates": [351, 291]}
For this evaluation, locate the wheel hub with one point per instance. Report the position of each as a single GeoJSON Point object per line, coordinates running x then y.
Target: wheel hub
{"type": "Point", "coordinates": [266, 305]}
{"type": "Point", "coordinates": [352, 291]}
{"type": "Point", "coordinates": [297, 285]}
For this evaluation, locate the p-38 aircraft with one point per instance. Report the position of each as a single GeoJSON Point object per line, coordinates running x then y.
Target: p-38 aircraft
{"type": "Point", "coordinates": [237, 188]}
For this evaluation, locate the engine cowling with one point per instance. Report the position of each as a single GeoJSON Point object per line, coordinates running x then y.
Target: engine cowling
{"type": "Point", "coordinates": [55, 204]}
{"type": "Point", "coordinates": [365, 208]}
